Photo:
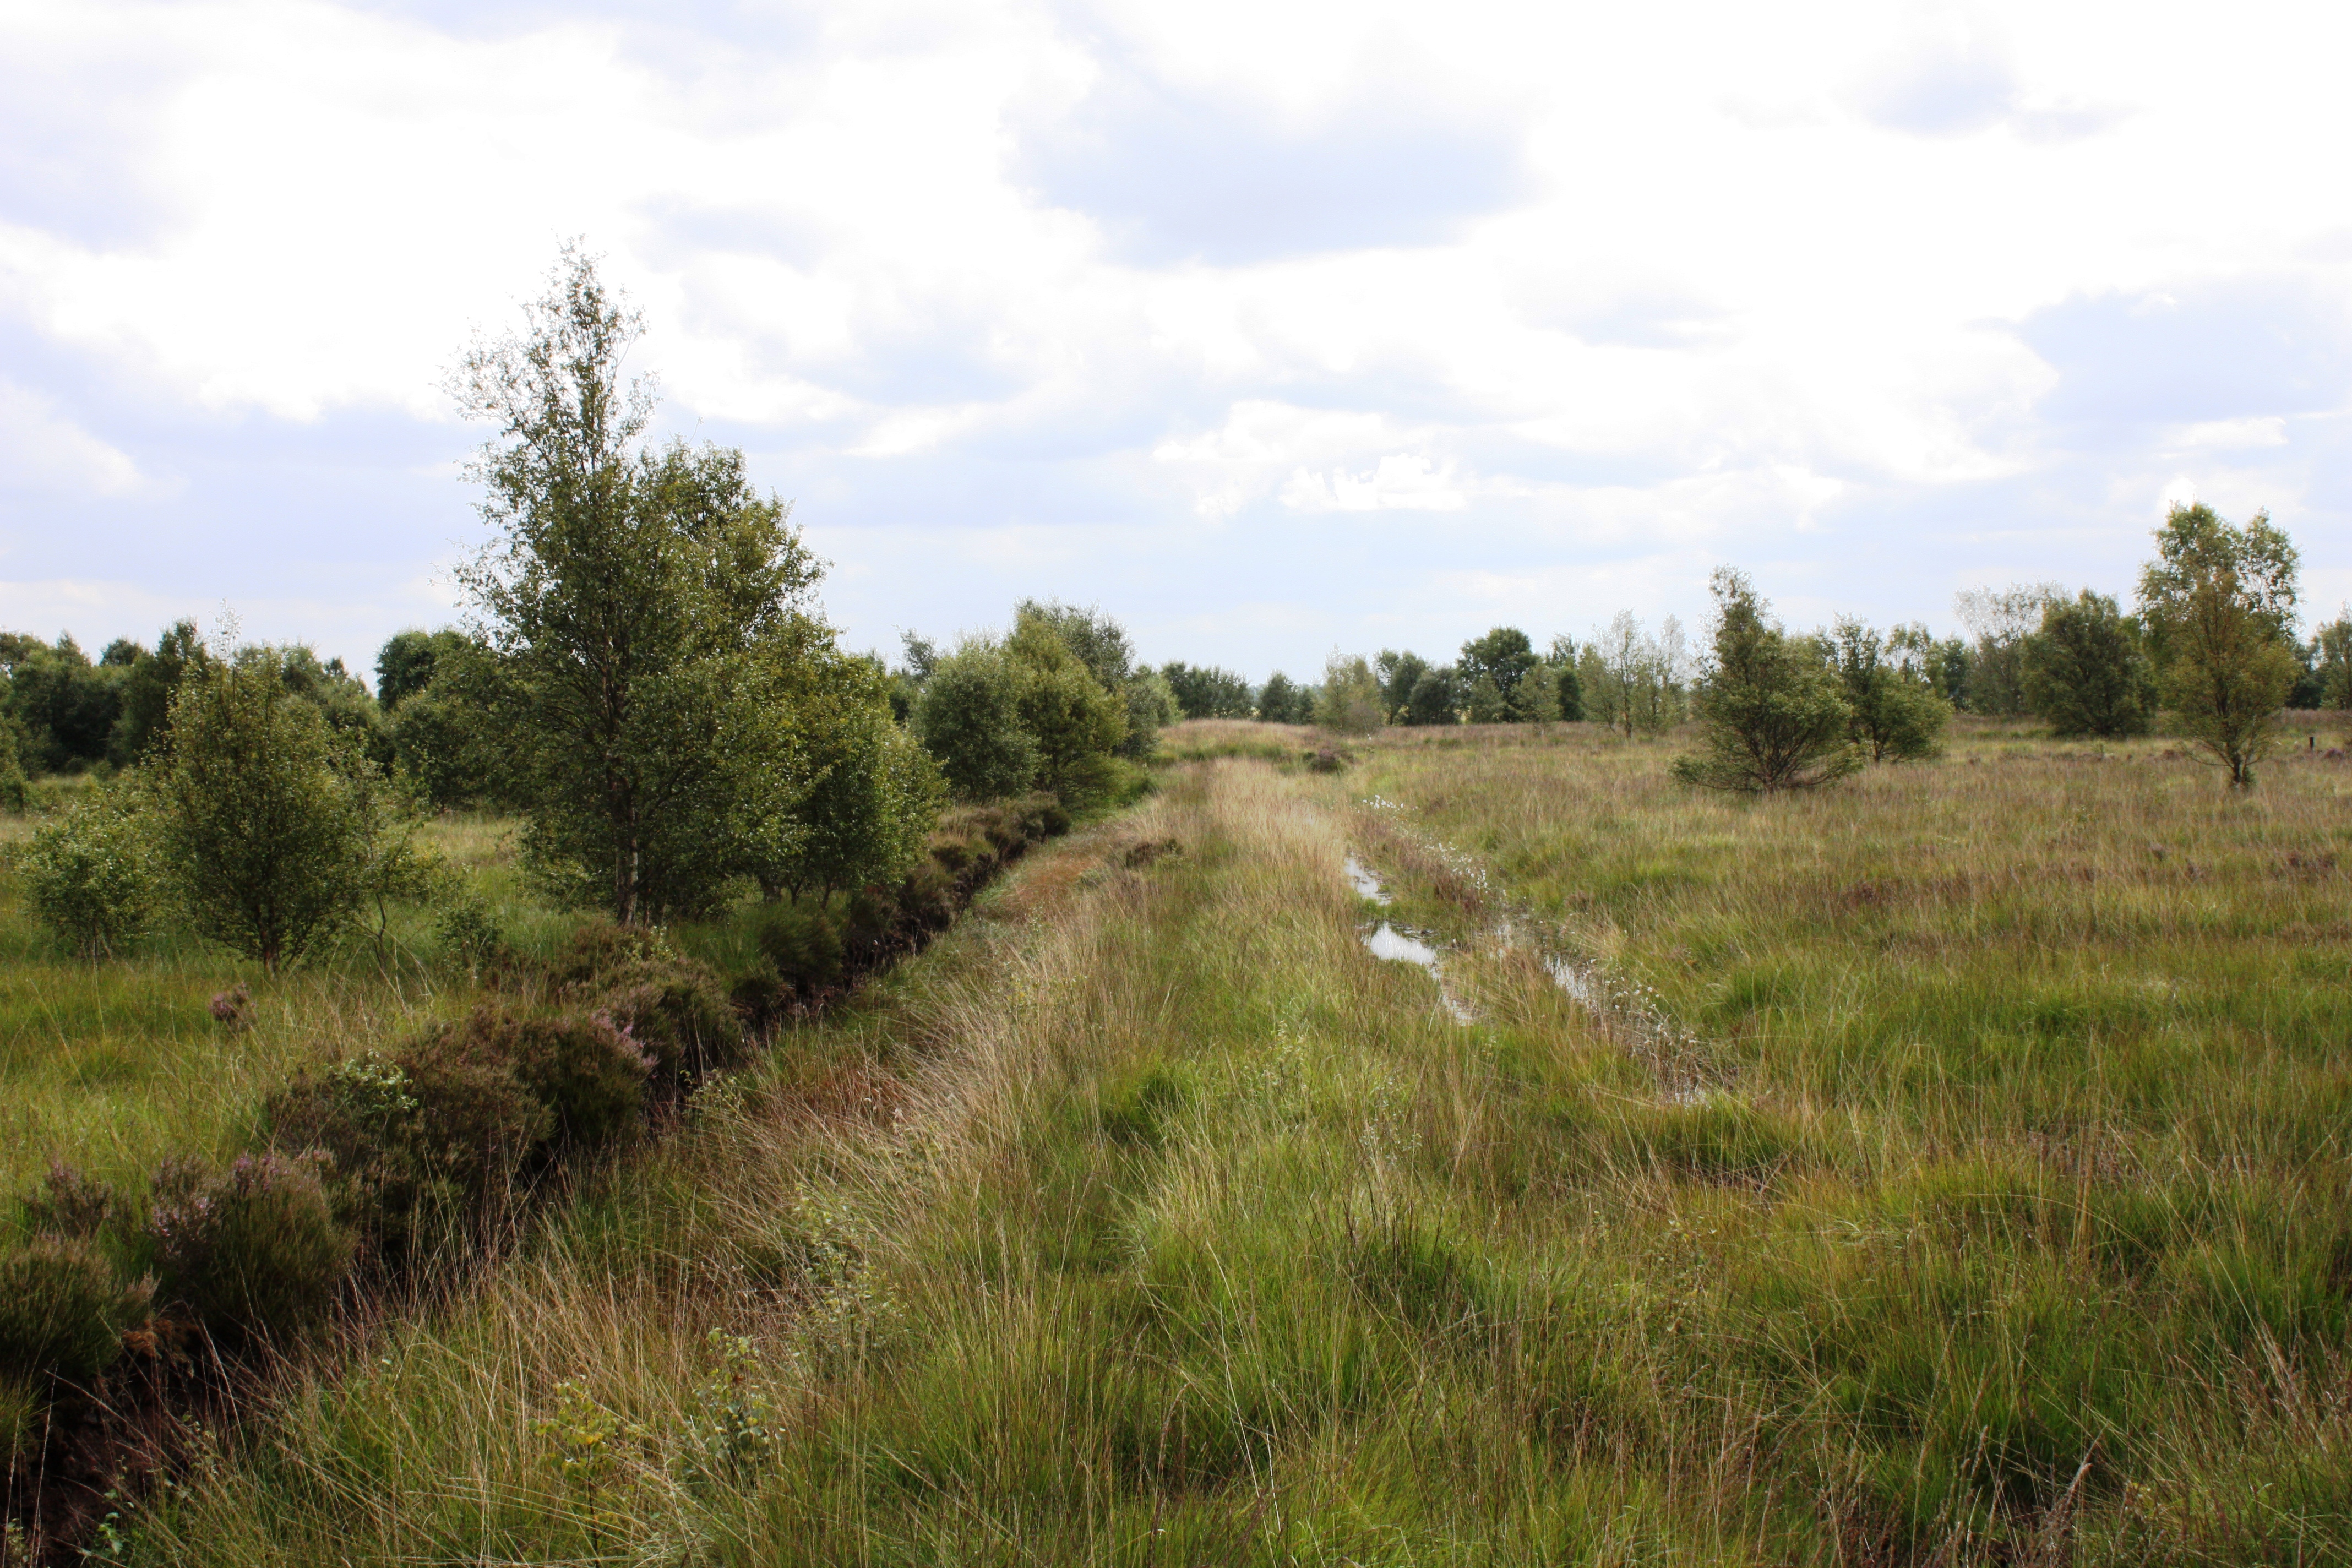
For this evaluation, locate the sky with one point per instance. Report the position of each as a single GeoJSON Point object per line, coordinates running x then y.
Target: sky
{"type": "Point", "coordinates": [1271, 329]}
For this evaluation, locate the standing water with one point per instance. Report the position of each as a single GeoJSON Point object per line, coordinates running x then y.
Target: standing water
{"type": "Point", "coordinates": [1400, 947]}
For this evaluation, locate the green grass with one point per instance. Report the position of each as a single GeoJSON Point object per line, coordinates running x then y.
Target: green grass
{"type": "Point", "coordinates": [1147, 1219]}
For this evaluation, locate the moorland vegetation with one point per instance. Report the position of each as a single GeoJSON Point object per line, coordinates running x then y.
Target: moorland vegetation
{"type": "Point", "coordinates": [482, 1117]}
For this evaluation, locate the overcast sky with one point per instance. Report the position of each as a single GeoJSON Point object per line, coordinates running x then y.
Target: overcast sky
{"type": "Point", "coordinates": [1268, 327]}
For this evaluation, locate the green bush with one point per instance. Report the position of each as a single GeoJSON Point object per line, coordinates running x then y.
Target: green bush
{"type": "Point", "coordinates": [63, 1310]}
{"type": "Point", "coordinates": [255, 1250]}
{"type": "Point", "coordinates": [588, 1072]}
{"type": "Point", "coordinates": [675, 1009]}
{"type": "Point", "coordinates": [89, 874]}
{"type": "Point", "coordinates": [802, 945]}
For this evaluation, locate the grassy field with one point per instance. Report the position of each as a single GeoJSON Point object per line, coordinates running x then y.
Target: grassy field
{"type": "Point", "coordinates": [1991, 1205]}
{"type": "Point", "coordinates": [113, 1065]}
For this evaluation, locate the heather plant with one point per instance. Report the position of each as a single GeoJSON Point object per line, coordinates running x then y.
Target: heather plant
{"type": "Point", "coordinates": [63, 1310]}
{"type": "Point", "coordinates": [90, 873]}
{"type": "Point", "coordinates": [254, 1251]}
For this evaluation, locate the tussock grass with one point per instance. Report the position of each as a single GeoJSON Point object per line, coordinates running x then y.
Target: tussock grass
{"type": "Point", "coordinates": [1147, 1219]}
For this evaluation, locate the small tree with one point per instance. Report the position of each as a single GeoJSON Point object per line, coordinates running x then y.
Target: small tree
{"type": "Point", "coordinates": [969, 718]}
{"type": "Point", "coordinates": [1503, 656]}
{"type": "Point", "coordinates": [1282, 701]}
{"type": "Point", "coordinates": [90, 874]}
{"type": "Point", "coordinates": [1072, 720]}
{"type": "Point", "coordinates": [1482, 703]}
{"type": "Point", "coordinates": [1566, 683]}
{"type": "Point", "coordinates": [272, 829]}
{"type": "Point", "coordinates": [2000, 619]}
{"type": "Point", "coordinates": [1436, 698]}
{"type": "Point", "coordinates": [1350, 698]}
{"type": "Point", "coordinates": [1208, 692]}
{"type": "Point", "coordinates": [1897, 713]}
{"type": "Point", "coordinates": [1769, 710]}
{"type": "Point", "coordinates": [2219, 602]}
{"type": "Point", "coordinates": [2331, 660]}
{"type": "Point", "coordinates": [2084, 671]}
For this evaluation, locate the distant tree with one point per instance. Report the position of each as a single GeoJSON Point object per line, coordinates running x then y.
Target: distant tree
{"type": "Point", "coordinates": [1282, 701]}
{"type": "Point", "coordinates": [2332, 660]}
{"type": "Point", "coordinates": [1398, 673]}
{"type": "Point", "coordinates": [1896, 714]}
{"type": "Point", "coordinates": [1504, 655]}
{"type": "Point", "coordinates": [1076, 723]}
{"type": "Point", "coordinates": [1349, 701]}
{"type": "Point", "coordinates": [1482, 703]}
{"type": "Point", "coordinates": [969, 719]}
{"type": "Point", "coordinates": [1537, 701]}
{"type": "Point", "coordinates": [1632, 680]}
{"type": "Point", "coordinates": [1769, 707]}
{"type": "Point", "coordinates": [2000, 620]}
{"type": "Point", "coordinates": [148, 685]}
{"type": "Point", "coordinates": [2084, 671]}
{"type": "Point", "coordinates": [407, 663]}
{"type": "Point", "coordinates": [2219, 605]}
{"type": "Point", "coordinates": [1099, 642]}
{"type": "Point", "coordinates": [65, 706]}
{"type": "Point", "coordinates": [273, 829]}
{"type": "Point", "coordinates": [1207, 692]}
{"type": "Point", "coordinates": [1437, 698]}
{"type": "Point", "coordinates": [1567, 683]}
{"type": "Point", "coordinates": [644, 608]}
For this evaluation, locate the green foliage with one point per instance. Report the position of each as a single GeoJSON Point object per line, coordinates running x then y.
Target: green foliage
{"type": "Point", "coordinates": [645, 612]}
{"type": "Point", "coordinates": [873, 793]}
{"type": "Point", "coordinates": [1282, 701]}
{"type": "Point", "coordinates": [409, 662]}
{"type": "Point", "coordinates": [2083, 673]}
{"type": "Point", "coordinates": [1398, 673]}
{"type": "Point", "coordinates": [1437, 698]}
{"type": "Point", "coordinates": [63, 1310]}
{"type": "Point", "coordinates": [1771, 715]}
{"type": "Point", "coordinates": [1632, 680]}
{"type": "Point", "coordinates": [1566, 684]}
{"type": "Point", "coordinates": [969, 720]}
{"type": "Point", "coordinates": [1151, 707]}
{"type": "Point", "coordinates": [64, 706]}
{"type": "Point", "coordinates": [1506, 656]}
{"type": "Point", "coordinates": [1350, 700]}
{"type": "Point", "coordinates": [1071, 717]}
{"type": "Point", "coordinates": [670, 1005]}
{"type": "Point", "coordinates": [255, 1251]}
{"type": "Point", "coordinates": [2218, 605]}
{"type": "Point", "coordinates": [2000, 621]}
{"type": "Point", "coordinates": [273, 831]}
{"type": "Point", "coordinates": [90, 874]}
{"type": "Point", "coordinates": [2332, 660]}
{"type": "Point", "coordinates": [149, 684]}
{"type": "Point", "coordinates": [1207, 692]}
{"type": "Point", "coordinates": [1482, 703]}
{"type": "Point", "coordinates": [1897, 713]}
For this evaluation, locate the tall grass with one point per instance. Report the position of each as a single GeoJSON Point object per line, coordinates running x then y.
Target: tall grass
{"type": "Point", "coordinates": [1148, 1219]}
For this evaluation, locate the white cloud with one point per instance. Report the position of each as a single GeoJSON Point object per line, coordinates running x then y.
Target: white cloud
{"type": "Point", "coordinates": [1400, 482]}
{"type": "Point", "coordinates": [1673, 281]}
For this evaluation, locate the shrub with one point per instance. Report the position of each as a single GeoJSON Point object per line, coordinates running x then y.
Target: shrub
{"type": "Point", "coordinates": [70, 1204]}
{"type": "Point", "coordinates": [63, 1310]}
{"type": "Point", "coordinates": [1772, 716]}
{"type": "Point", "coordinates": [469, 932]}
{"type": "Point", "coordinates": [673, 1008]}
{"type": "Point", "coordinates": [90, 875]}
{"type": "Point", "coordinates": [2083, 673]}
{"type": "Point", "coordinates": [274, 828]}
{"type": "Point", "coordinates": [255, 1251]}
{"type": "Point", "coordinates": [588, 1072]}
{"type": "Point", "coordinates": [969, 718]}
